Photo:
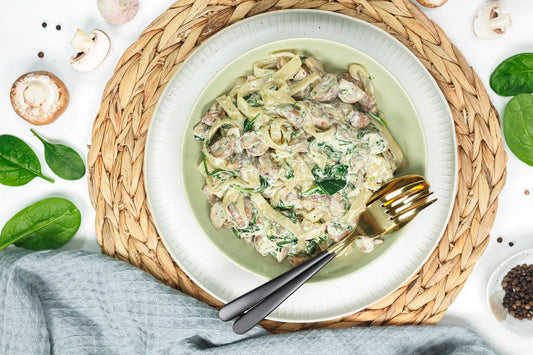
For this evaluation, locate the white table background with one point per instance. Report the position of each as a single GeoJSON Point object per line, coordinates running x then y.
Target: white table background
{"type": "Point", "coordinates": [23, 37]}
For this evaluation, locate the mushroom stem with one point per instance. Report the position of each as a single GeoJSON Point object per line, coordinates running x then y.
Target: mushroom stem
{"type": "Point", "coordinates": [500, 22]}
{"type": "Point", "coordinates": [82, 41]}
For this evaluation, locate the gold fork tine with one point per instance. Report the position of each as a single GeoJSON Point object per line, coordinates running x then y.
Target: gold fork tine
{"type": "Point", "coordinates": [409, 200]}
{"type": "Point", "coordinates": [390, 186]}
{"type": "Point", "coordinates": [416, 208]}
{"type": "Point", "coordinates": [404, 192]}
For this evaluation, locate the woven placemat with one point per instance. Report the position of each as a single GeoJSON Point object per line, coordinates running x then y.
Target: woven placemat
{"type": "Point", "coordinates": [124, 226]}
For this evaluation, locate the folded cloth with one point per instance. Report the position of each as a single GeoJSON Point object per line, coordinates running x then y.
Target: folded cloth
{"type": "Point", "coordinates": [72, 302]}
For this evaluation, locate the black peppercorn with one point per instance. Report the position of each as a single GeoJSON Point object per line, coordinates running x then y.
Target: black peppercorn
{"type": "Point", "coordinates": [499, 240]}
{"type": "Point", "coordinates": [511, 244]}
{"type": "Point", "coordinates": [44, 24]}
{"type": "Point", "coordinates": [58, 27]}
{"type": "Point", "coordinates": [40, 54]}
{"type": "Point", "coordinates": [518, 289]}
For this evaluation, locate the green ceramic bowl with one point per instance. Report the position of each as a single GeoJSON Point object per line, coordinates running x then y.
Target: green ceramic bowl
{"type": "Point", "coordinates": [400, 114]}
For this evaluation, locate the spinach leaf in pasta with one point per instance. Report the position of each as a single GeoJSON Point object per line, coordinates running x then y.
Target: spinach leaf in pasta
{"type": "Point", "coordinates": [332, 179]}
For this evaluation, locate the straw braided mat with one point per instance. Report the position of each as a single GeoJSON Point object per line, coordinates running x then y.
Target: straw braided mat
{"type": "Point", "coordinates": [123, 223]}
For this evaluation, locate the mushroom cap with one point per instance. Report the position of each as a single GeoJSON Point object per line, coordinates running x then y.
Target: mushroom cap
{"type": "Point", "coordinates": [91, 49]}
{"type": "Point", "coordinates": [432, 3]}
{"type": "Point", "coordinates": [39, 97]}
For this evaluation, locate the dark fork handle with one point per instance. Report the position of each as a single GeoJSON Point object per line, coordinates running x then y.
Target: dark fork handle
{"type": "Point", "coordinates": [250, 299]}
{"type": "Point", "coordinates": [270, 303]}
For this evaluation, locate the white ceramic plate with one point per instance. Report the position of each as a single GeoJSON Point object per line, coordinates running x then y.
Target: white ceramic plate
{"type": "Point", "coordinates": [495, 294]}
{"type": "Point", "coordinates": [189, 245]}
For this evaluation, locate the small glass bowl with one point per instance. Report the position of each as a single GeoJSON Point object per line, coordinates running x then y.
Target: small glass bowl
{"type": "Point", "coordinates": [495, 294]}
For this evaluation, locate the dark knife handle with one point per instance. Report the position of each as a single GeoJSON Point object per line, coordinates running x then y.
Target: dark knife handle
{"type": "Point", "coordinates": [270, 303]}
{"type": "Point", "coordinates": [250, 299]}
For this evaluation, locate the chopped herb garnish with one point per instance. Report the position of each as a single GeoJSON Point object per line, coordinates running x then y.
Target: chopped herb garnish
{"type": "Point", "coordinates": [262, 187]}
{"type": "Point", "coordinates": [290, 171]}
{"type": "Point", "coordinates": [311, 247]}
{"type": "Point", "coordinates": [216, 172]}
{"type": "Point", "coordinates": [252, 99]}
{"type": "Point", "coordinates": [248, 125]}
{"type": "Point", "coordinates": [236, 233]}
{"type": "Point", "coordinates": [281, 207]}
{"type": "Point", "coordinates": [377, 117]}
{"type": "Point", "coordinates": [292, 241]}
{"type": "Point", "coordinates": [313, 190]}
{"type": "Point", "coordinates": [362, 133]}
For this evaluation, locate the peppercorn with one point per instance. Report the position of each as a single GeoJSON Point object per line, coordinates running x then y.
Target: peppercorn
{"type": "Point", "coordinates": [44, 24]}
{"type": "Point", "coordinates": [499, 240]}
{"type": "Point", "coordinates": [518, 289]}
{"type": "Point", "coordinates": [511, 244]}
{"type": "Point", "coordinates": [40, 54]}
{"type": "Point", "coordinates": [58, 27]}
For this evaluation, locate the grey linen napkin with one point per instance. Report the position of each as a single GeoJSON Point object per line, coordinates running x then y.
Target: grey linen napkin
{"type": "Point", "coordinates": [73, 302]}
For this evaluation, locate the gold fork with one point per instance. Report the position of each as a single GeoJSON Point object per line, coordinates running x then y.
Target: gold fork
{"type": "Point", "coordinates": [390, 208]}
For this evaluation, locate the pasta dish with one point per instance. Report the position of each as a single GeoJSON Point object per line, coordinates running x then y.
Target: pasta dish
{"type": "Point", "coordinates": [292, 153]}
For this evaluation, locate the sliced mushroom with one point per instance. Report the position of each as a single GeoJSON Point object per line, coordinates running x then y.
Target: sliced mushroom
{"type": "Point", "coordinates": [39, 97]}
{"type": "Point", "coordinates": [91, 50]}
{"type": "Point", "coordinates": [490, 23]}
{"type": "Point", "coordinates": [431, 3]}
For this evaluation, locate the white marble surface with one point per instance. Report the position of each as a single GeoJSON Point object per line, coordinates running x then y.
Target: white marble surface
{"type": "Point", "coordinates": [23, 37]}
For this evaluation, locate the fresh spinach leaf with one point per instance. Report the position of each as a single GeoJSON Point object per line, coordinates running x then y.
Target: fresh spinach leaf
{"type": "Point", "coordinates": [331, 187]}
{"type": "Point", "coordinates": [332, 179]}
{"type": "Point", "coordinates": [513, 76]}
{"type": "Point", "coordinates": [63, 160]}
{"type": "Point", "coordinates": [18, 163]}
{"type": "Point", "coordinates": [518, 127]}
{"type": "Point", "coordinates": [47, 224]}
{"type": "Point", "coordinates": [337, 171]}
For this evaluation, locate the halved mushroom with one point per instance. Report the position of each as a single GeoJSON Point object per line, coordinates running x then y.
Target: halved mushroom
{"type": "Point", "coordinates": [431, 3]}
{"type": "Point", "coordinates": [39, 97]}
{"type": "Point", "coordinates": [490, 23]}
{"type": "Point", "coordinates": [91, 49]}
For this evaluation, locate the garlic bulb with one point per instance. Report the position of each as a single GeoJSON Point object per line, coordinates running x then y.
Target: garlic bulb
{"type": "Point", "coordinates": [118, 11]}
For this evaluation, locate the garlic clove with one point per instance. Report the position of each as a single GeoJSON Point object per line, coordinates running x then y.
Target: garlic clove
{"type": "Point", "coordinates": [432, 3]}
{"type": "Point", "coordinates": [118, 12]}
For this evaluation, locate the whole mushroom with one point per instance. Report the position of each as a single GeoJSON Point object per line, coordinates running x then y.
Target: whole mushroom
{"type": "Point", "coordinates": [39, 97]}
{"type": "Point", "coordinates": [91, 50]}
{"type": "Point", "coordinates": [431, 3]}
{"type": "Point", "coordinates": [490, 23]}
